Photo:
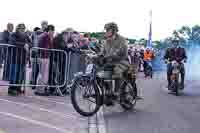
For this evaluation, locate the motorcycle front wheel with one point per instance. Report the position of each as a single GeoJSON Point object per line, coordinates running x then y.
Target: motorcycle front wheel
{"type": "Point", "coordinates": [174, 87]}
{"type": "Point", "coordinates": [177, 85]}
{"type": "Point", "coordinates": [83, 92]}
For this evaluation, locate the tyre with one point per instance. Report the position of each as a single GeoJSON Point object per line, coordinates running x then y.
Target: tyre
{"type": "Point", "coordinates": [128, 95]}
{"type": "Point", "coordinates": [151, 73]}
{"type": "Point", "coordinates": [177, 86]}
{"type": "Point", "coordinates": [90, 93]}
{"type": "Point", "coordinates": [101, 85]}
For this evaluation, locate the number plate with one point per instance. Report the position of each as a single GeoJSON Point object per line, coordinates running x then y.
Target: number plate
{"type": "Point", "coordinates": [89, 69]}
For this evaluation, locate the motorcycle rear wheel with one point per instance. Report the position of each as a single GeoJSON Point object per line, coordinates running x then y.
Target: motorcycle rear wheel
{"type": "Point", "coordinates": [128, 101]}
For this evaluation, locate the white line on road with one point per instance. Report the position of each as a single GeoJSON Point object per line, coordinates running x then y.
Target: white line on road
{"type": "Point", "coordinates": [51, 100]}
{"type": "Point", "coordinates": [99, 125]}
{"type": "Point", "coordinates": [45, 99]}
{"type": "Point", "coordinates": [42, 109]}
{"type": "Point", "coordinates": [36, 122]}
{"type": "Point", "coordinates": [102, 126]}
{"type": "Point", "coordinates": [1, 131]}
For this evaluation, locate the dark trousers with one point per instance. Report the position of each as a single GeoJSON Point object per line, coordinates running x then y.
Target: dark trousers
{"type": "Point", "coordinates": [7, 69]}
{"type": "Point", "coordinates": [169, 73]}
{"type": "Point", "coordinates": [18, 76]}
{"type": "Point", "coordinates": [145, 65]}
{"type": "Point", "coordinates": [51, 73]}
{"type": "Point", "coordinates": [35, 72]}
{"type": "Point", "coordinates": [57, 70]}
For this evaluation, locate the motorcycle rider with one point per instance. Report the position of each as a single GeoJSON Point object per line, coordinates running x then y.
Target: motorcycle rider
{"type": "Point", "coordinates": [148, 56]}
{"type": "Point", "coordinates": [115, 51]}
{"type": "Point", "coordinates": [178, 54]}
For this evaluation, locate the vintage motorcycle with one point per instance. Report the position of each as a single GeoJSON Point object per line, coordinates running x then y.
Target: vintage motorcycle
{"type": "Point", "coordinates": [175, 85]}
{"type": "Point", "coordinates": [148, 70]}
{"type": "Point", "coordinates": [93, 87]}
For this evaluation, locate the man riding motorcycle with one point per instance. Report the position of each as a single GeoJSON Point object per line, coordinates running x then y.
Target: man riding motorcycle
{"type": "Point", "coordinates": [176, 53]}
{"type": "Point", "coordinates": [148, 56]}
{"type": "Point", "coordinates": [114, 50]}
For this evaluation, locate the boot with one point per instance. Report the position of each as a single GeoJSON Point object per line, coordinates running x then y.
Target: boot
{"type": "Point", "coordinates": [182, 86]}
{"type": "Point", "coordinates": [169, 82]}
{"type": "Point", "coordinates": [12, 91]}
{"type": "Point", "coordinates": [108, 101]}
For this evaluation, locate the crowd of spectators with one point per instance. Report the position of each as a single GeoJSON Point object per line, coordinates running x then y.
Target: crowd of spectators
{"type": "Point", "coordinates": [42, 68]}
{"type": "Point", "coordinates": [43, 71]}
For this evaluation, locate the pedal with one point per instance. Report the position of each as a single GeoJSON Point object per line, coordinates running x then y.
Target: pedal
{"type": "Point", "coordinates": [139, 98]}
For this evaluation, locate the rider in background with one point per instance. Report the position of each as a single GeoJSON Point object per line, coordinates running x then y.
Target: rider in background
{"type": "Point", "coordinates": [178, 54]}
{"type": "Point", "coordinates": [148, 56]}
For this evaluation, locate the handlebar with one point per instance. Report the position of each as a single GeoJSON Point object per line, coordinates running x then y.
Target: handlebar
{"type": "Point", "coordinates": [167, 61]}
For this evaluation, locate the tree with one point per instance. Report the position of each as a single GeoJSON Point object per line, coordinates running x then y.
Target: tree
{"type": "Point", "coordinates": [195, 37]}
{"type": "Point", "coordinates": [132, 41]}
{"type": "Point", "coordinates": [143, 41]}
{"type": "Point", "coordinates": [185, 32]}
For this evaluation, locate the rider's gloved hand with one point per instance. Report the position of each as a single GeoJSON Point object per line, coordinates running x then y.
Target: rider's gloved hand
{"type": "Point", "coordinates": [166, 61]}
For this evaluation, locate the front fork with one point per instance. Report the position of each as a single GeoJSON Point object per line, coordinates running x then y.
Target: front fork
{"type": "Point", "coordinates": [174, 80]}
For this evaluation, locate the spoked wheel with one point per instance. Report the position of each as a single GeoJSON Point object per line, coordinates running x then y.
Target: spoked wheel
{"type": "Point", "coordinates": [149, 72]}
{"type": "Point", "coordinates": [85, 98]}
{"type": "Point", "coordinates": [128, 96]}
{"type": "Point", "coordinates": [174, 87]}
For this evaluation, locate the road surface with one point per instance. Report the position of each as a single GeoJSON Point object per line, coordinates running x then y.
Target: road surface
{"type": "Point", "coordinates": [158, 112]}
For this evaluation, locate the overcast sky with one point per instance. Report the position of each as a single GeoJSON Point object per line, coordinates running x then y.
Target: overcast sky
{"type": "Point", "coordinates": [91, 15]}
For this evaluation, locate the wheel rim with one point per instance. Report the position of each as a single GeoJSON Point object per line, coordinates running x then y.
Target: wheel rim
{"type": "Point", "coordinates": [86, 97]}
{"type": "Point", "coordinates": [129, 95]}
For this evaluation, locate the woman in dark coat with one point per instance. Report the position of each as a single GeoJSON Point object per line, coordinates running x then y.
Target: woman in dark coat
{"type": "Point", "coordinates": [58, 71]}
{"type": "Point", "coordinates": [18, 58]}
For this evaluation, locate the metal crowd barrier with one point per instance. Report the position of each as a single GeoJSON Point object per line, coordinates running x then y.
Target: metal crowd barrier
{"type": "Point", "coordinates": [50, 67]}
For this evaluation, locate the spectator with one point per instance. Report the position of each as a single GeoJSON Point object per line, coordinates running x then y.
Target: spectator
{"type": "Point", "coordinates": [141, 66]}
{"type": "Point", "coordinates": [72, 41]}
{"type": "Point", "coordinates": [134, 57]}
{"type": "Point", "coordinates": [71, 38]}
{"type": "Point", "coordinates": [45, 41]}
{"type": "Point", "coordinates": [35, 65]}
{"type": "Point", "coordinates": [94, 45]}
{"type": "Point", "coordinates": [60, 61]}
{"type": "Point", "coordinates": [7, 33]}
{"type": "Point", "coordinates": [44, 26]}
{"type": "Point", "coordinates": [85, 41]}
{"type": "Point", "coordinates": [29, 34]}
{"type": "Point", "coordinates": [20, 40]}
{"type": "Point", "coordinates": [4, 53]}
